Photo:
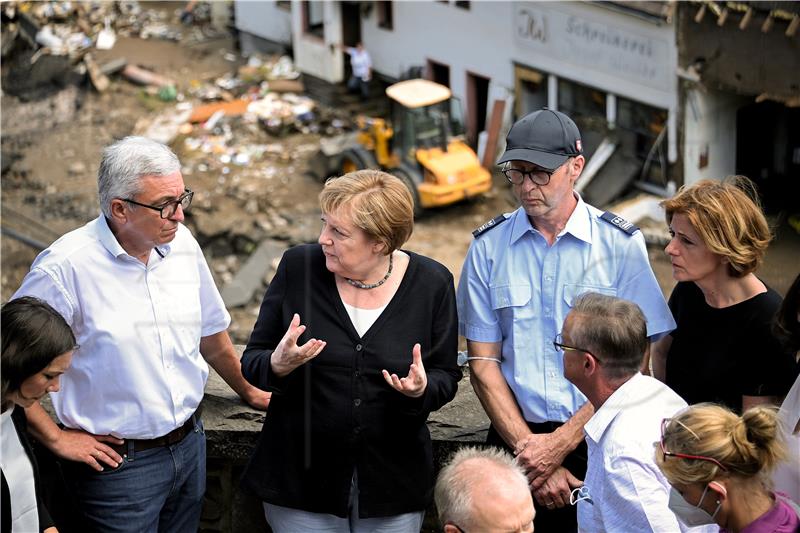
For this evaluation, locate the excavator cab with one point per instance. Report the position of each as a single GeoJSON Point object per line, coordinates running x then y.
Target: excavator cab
{"type": "Point", "coordinates": [428, 140]}
{"type": "Point", "coordinates": [423, 146]}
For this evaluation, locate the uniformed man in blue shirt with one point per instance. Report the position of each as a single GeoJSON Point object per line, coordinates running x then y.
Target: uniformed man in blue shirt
{"type": "Point", "coordinates": [520, 276]}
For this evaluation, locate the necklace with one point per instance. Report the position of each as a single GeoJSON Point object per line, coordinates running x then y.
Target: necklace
{"type": "Point", "coordinates": [359, 285]}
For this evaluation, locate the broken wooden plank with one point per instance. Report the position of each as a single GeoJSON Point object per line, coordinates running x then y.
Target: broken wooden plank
{"type": "Point", "coordinates": [234, 108]}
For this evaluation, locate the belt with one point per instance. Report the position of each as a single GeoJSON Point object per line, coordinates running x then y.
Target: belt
{"type": "Point", "coordinates": [173, 437]}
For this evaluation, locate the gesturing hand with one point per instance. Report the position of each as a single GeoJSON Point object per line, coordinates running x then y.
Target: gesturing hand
{"type": "Point", "coordinates": [414, 384]}
{"type": "Point", "coordinates": [288, 355]}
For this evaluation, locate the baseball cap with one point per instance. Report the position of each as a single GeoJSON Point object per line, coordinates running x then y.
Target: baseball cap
{"type": "Point", "coordinates": [545, 138]}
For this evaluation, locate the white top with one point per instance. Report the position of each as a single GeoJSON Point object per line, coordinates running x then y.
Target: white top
{"type": "Point", "coordinates": [360, 62]}
{"type": "Point", "coordinates": [18, 472]}
{"type": "Point", "coordinates": [787, 474]}
{"type": "Point", "coordinates": [628, 491]}
{"type": "Point", "coordinates": [363, 319]}
{"type": "Point", "coordinates": [138, 373]}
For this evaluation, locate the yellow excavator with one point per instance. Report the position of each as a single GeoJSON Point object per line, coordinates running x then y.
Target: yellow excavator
{"type": "Point", "coordinates": [423, 146]}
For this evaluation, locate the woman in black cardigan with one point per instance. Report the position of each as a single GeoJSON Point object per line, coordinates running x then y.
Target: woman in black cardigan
{"type": "Point", "coordinates": [345, 445]}
{"type": "Point", "coordinates": [37, 349]}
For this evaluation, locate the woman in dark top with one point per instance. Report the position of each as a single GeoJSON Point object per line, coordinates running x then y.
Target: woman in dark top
{"type": "Point", "coordinates": [723, 349]}
{"type": "Point", "coordinates": [345, 445]}
{"type": "Point", "coordinates": [37, 349]}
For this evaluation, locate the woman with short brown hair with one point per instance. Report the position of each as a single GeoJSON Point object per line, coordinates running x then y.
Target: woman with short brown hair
{"type": "Point", "coordinates": [723, 349]}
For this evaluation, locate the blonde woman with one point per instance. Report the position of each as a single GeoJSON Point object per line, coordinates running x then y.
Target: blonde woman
{"type": "Point", "coordinates": [723, 349]}
{"type": "Point", "coordinates": [718, 463]}
{"type": "Point", "coordinates": [357, 340]}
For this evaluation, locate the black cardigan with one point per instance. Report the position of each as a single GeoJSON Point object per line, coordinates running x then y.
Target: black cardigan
{"type": "Point", "coordinates": [337, 413]}
{"type": "Point", "coordinates": [21, 425]}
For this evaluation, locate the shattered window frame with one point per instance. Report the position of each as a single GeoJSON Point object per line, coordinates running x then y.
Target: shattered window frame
{"type": "Point", "coordinates": [313, 26]}
{"type": "Point", "coordinates": [385, 15]}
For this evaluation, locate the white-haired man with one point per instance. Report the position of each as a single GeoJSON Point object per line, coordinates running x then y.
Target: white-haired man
{"type": "Point", "coordinates": [135, 287]}
{"type": "Point", "coordinates": [483, 489]}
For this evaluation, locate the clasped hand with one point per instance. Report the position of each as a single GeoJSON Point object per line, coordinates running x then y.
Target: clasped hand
{"type": "Point", "coordinates": [288, 355]}
{"type": "Point", "coordinates": [414, 384]}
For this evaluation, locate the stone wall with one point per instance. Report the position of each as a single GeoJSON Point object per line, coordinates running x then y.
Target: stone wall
{"type": "Point", "coordinates": [232, 429]}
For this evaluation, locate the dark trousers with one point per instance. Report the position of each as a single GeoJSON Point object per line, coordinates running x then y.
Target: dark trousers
{"type": "Point", "coordinates": [564, 520]}
{"type": "Point", "coordinates": [357, 85]}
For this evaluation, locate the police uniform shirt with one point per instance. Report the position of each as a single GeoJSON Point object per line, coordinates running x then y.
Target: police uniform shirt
{"type": "Point", "coordinates": [517, 289]}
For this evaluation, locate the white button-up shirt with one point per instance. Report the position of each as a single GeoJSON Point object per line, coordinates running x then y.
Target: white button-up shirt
{"type": "Point", "coordinates": [138, 373]}
{"type": "Point", "coordinates": [628, 491]}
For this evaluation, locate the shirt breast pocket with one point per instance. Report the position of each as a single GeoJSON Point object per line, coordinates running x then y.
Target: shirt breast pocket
{"type": "Point", "coordinates": [512, 302]}
{"type": "Point", "coordinates": [572, 291]}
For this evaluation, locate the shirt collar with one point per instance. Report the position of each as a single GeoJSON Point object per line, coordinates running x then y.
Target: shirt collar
{"type": "Point", "coordinates": [110, 242]}
{"type": "Point", "coordinates": [579, 224]}
{"type": "Point", "coordinates": [602, 418]}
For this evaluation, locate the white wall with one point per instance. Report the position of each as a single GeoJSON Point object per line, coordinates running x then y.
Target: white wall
{"type": "Point", "coordinates": [316, 56]}
{"type": "Point", "coordinates": [571, 40]}
{"type": "Point", "coordinates": [709, 127]}
{"type": "Point", "coordinates": [264, 19]}
{"type": "Point", "coordinates": [592, 45]}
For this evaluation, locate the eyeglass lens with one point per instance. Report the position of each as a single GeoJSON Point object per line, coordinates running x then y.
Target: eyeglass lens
{"type": "Point", "coordinates": [185, 201]}
{"type": "Point", "coordinates": [516, 176]}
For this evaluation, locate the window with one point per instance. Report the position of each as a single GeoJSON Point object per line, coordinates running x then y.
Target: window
{"type": "Point", "coordinates": [462, 5]}
{"type": "Point", "coordinates": [313, 21]}
{"type": "Point", "coordinates": [384, 11]}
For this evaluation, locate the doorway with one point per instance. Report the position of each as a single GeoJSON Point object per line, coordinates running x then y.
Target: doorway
{"type": "Point", "coordinates": [530, 91]}
{"type": "Point", "coordinates": [768, 152]}
{"type": "Point", "coordinates": [351, 32]}
{"type": "Point", "coordinates": [477, 102]}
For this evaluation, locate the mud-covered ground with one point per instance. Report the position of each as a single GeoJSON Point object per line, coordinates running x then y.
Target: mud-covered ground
{"type": "Point", "coordinates": [51, 148]}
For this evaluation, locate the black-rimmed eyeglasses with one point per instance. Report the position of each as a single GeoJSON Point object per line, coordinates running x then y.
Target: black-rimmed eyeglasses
{"type": "Point", "coordinates": [168, 209]}
{"type": "Point", "coordinates": [558, 344]}
{"type": "Point", "coordinates": [540, 176]}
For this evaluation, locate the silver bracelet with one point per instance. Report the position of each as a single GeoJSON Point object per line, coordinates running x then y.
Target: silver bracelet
{"type": "Point", "coordinates": [476, 358]}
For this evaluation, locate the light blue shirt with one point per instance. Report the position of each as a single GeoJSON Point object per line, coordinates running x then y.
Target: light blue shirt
{"type": "Point", "coordinates": [517, 289]}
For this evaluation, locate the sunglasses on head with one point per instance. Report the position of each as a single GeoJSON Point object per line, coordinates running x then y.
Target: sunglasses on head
{"type": "Point", "coordinates": [667, 453]}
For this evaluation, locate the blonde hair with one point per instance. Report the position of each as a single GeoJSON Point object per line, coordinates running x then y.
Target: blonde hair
{"type": "Point", "coordinates": [728, 217]}
{"type": "Point", "coordinates": [747, 446]}
{"type": "Point", "coordinates": [376, 202]}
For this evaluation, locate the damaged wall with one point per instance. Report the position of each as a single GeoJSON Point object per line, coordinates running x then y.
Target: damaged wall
{"type": "Point", "coordinates": [709, 144]}
{"type": "Point", "coordinates": [746, 61]}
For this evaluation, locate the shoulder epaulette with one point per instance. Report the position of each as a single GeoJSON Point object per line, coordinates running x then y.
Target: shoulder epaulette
{"type": "Point", "coordinates": [489, 225]}
{"type": "Point", "coordinates": [619, 223]}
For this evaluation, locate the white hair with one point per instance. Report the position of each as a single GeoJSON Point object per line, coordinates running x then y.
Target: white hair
{"type": "Point", "coordinates": [456, 482]}
{"type": "Point", "coordinates": [125, 162]}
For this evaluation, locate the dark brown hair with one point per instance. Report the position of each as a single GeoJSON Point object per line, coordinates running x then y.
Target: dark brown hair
{"type": "Point", "coordinates": [33, 335]}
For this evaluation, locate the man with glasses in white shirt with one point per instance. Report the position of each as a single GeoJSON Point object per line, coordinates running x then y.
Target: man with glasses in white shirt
{"type": "Point", "coordinates": [603, 343]}
{"type": "Point", "coordinates": [134, 286]}
{"type": "Point", "coordinates": [519, 279]}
